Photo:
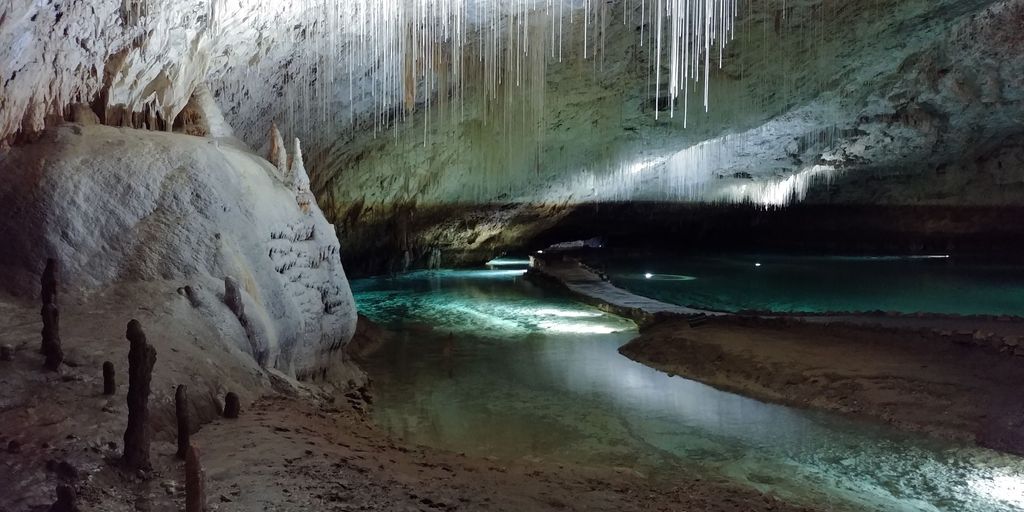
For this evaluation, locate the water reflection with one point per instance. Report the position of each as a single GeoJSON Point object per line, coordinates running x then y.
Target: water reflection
{"type": "Point", "coordinates": [908, 284]}
{"type": "Point", "coordinates": [481, 367]}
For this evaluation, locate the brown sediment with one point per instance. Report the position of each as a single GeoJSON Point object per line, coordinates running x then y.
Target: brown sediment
{"type": "Point", "coordinates": [912, 378]}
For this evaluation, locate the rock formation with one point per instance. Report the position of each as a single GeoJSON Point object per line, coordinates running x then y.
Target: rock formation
{"type": "Point", "coordinates": [300, 179]}
{"type": "Point", "coordinates": [50, 346]}
{"type": "Point", "coordinates": [232, 406]}
{"type": "Point", "coordinates": [109, 379]}
{"type": "Point", "coordinates": [206, 210]}
{"type": "Point", "coordinates": [67, 499]}
{"type": "Point", "coordinates": [141, 358]}
{"type": "Point", "coordinates": [195, 485]}
{"type": "Point", "coordinates": [51, 337]}
{"type": "Point", "coordinates": [48, 281]}
{"type": "Point", "coordinates": [182, 415]}
{"type": "Point", "coordinates": [276, 152]}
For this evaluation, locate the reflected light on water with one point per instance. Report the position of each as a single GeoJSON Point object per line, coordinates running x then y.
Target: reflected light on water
{"type": "Point", "coordinates": [577, 327]}
{"type": "Point", "coordinates": [488, 274]}
{"type": "Point", "coordinates": [564, 313]}
{"type": "Point", "coordinates": [1005, 488]}
{"type": "Point", "coordinates": [508, 262]}
{"type": "Point", "coordinates": [668, 277]}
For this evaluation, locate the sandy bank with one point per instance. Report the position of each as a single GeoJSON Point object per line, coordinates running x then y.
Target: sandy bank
{"type": "Point", "coordinates": [915, 380]}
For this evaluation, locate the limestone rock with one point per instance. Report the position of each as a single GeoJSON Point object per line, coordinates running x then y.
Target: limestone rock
{"type": "Point", "coordinates": [109, 378]}
{"type": "Point", "coordinates": [67, 499]}
{"type": "Point", "coordinates": [300, 179]}
{"type": "Point", "coordinates": [232, 406]}
{"type": "Point", "coordinates": [141, 358]}
{"type": "Point", "coordinates": [51, 337]}
{"type": "Point", "coordinates": [195, 486]}
{"type": "Point", "coordinates": [276, 153]}
{"type": "Point", "coordinates": [205, 211]}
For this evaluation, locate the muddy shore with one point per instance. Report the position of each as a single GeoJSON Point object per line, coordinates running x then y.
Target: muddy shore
{"type": "Point", "coordinates": [912, 379]}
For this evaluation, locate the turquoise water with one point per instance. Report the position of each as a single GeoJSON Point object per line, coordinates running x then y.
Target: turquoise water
{"type": "Point", "coordinates": [934, 284]}
{"type": "Point", "coordinates": [487, 364]}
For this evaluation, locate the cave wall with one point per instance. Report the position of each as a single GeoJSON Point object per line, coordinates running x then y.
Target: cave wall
{"type": "Point", "coordinates": [904, 102]}
{"type": "Point", "coordinates": [849, 105]}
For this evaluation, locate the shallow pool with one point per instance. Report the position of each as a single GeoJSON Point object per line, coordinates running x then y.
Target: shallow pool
{"type": "Point", "coordinates": [489, 365]}
{"type": "Point", "coordinates": [907, 284]}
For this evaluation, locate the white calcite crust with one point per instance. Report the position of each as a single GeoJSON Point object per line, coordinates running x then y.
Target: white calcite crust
{"type": "Point", "coordinates": [118, 205]}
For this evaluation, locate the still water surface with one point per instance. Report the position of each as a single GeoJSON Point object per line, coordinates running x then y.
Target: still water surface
{"type": "Point", "coordinates": [907, 284]}
{"type": "Point", "coordinates": [488, 364]}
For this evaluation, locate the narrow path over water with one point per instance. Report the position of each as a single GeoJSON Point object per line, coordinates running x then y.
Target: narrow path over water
{"type": "Point", "coordinates": [526, 373]}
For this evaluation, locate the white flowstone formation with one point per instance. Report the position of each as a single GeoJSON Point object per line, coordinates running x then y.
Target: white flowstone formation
{"type": "Point", "coordinates": [300, 179]}
{"type": "Point", "coordinates": [115, 205]}
{"type": "Point", "coordinates": [276, 153]}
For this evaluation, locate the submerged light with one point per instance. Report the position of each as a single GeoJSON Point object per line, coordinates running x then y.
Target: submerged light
{"type": "Point", "coordinates": [757, 264]}
{"type": "Point", "coordinates": [648, 275]}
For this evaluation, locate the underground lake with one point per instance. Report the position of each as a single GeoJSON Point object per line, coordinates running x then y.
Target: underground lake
{"type": "Point", "coordinates": [486, 363]}
{"type": "Point", "coordinates": [931, 283]}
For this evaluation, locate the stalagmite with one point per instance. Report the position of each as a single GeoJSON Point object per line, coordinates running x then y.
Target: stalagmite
{"type": "Point", "coordinates": [67, 499]}
{"type": "Point", "coordinates": [256, 336]}
{"type": "Point", "coordinates": [181, 412]}
{"type": "Point", "coordinates": [233, 298]}
{"type": "Point", "coordinates": [277, 154]}
{"type": "Point", "coordinates": [195, 487]}
{"type": "Point", "coordinates": [109, 378]}
{"type": "Point", "coordinates": [51, 337]}
{"type": "Point", "coordinates": [48, 295]}
{"type": "Point", "coordinates": [300, 179]}
{"type": "Point", "coordinates": [232, 407]}
{"type": "Point", "coordinates": [141, 358]}
{"type": "Point", "coordinates": [191, 295]}
{"type": "Point", "coordinates": [49, 282]}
